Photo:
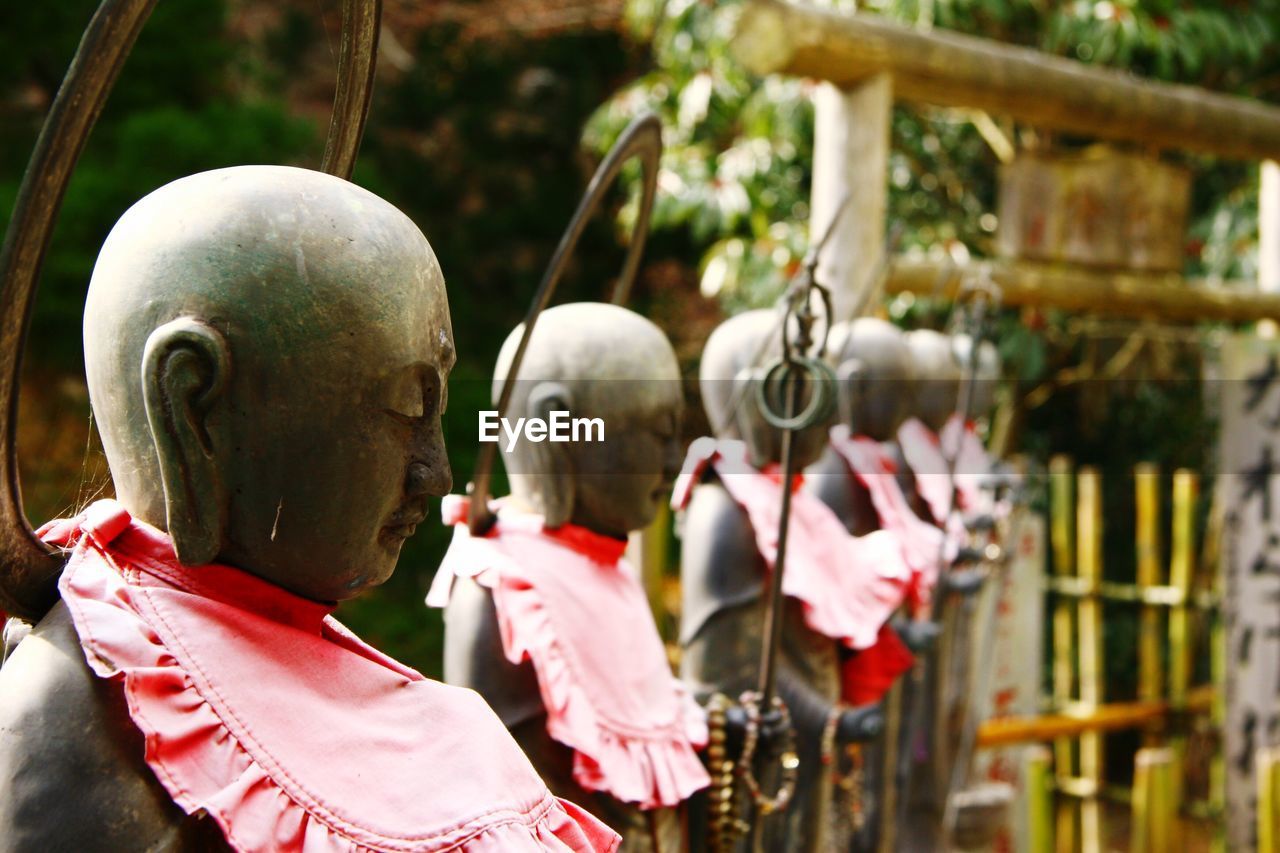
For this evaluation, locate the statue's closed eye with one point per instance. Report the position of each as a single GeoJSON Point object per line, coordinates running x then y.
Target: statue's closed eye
{"type": "Point", "coordinates": [416, 406]}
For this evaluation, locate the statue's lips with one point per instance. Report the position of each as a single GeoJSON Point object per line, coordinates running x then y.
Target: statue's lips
{"type": "Point", "coordinates": [404, 522]}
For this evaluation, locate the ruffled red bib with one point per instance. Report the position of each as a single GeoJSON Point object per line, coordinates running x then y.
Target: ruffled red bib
{"type": "Point", "coordinates": [849, 586]}
{"type": "Point", "coordinates": [923, 452]}
{"type": "Point", "coordinates": [871, 463]}
{"type": "Point", "coordinates": [260, 709]}
{"type": "Point", "coordinates": [568, 602]}
{"type": "Point", "coordinates": [972, 464]}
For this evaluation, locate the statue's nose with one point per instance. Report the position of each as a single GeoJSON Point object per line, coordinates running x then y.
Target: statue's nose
{"type": "Point", "coordinates": [423, 479]}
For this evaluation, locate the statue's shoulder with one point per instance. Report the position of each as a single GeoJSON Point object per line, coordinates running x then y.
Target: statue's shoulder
{"type": "Point", "coordinates": [720, 564]}
{"type": "Point", "coordinates": [72, 774]}
{"type": "Point", "coordinates": [717, 523]}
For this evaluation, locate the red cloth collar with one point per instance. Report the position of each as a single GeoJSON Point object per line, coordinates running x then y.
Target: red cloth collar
{"type": "Point", "coordinates": [597, 546]}
{"type": "Point", "coordinates": [774, 472]}
{"type": "Point", "coordinates": [243, 692]}
{"type": "Point", "coordinates": [607, 550]}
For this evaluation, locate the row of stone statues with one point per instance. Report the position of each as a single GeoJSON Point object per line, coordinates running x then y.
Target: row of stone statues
{"type": "Point", "coordinates": [268, 352]}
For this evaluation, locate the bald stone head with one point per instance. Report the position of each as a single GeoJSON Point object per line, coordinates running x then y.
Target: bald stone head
{"type": "Point", "coordinates": [267, 349]}
{"type": "Point", "coordinates": [877, 376]}
{"type": "Point", "coordinates": [595, 361]}
{"type": "Point", "coordinates": [728, 361]}
{"type": "Point", "coordinates": [937, 377]}
{"type": "Point", "coordinates": [986, 370]}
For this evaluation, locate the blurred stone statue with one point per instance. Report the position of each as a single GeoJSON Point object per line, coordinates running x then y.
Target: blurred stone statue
{"type": "Point", "coordinates": [544, 616]}
{"type": "Point", "coordinates": [839, 590]}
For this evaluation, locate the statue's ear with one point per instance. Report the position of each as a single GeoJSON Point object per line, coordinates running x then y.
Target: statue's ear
{"type": "Point", "coordinates": [851, 382]}
{"type": "Point", "coordinates": [551, 468]}
{"type": "Point", "coordinates": [185, 368]}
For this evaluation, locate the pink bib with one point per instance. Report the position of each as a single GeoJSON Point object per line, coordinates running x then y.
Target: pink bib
{"type": "Point", "coordinates": [848, 585]}
{"type": "Point", "coordinates": [568, 602]}
{"type": "Point", "coordinates": [262, 710]}
{"type": "Point", "coordinates": [923, 453]}
{"type": "Point", "coordinates": [921, 541]}
{"type": "Point", "coordinates": [973, 463]}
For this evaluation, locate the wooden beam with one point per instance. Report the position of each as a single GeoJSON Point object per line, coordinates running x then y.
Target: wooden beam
{"type": "Point", "coordinates": [1113, 716]}
{"type": "Point", "coordinates": [949, 69]}
{"type": "Point", "coordinates": [1166, 298]}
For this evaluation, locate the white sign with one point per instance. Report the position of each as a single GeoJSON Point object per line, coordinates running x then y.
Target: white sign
{"type": "Point", "coordinates": [1013, 683]}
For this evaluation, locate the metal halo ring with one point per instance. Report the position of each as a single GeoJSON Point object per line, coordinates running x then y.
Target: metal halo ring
{"type": "Point", "coordinates": [820, 401]}
{"type": "Point", "coordinates": [641, 139]}
{"type": "Point", "coordinates": [28, 568]}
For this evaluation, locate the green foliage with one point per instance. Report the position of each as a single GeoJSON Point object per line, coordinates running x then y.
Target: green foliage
{"type": "Point", "coordinates": [172, 112]}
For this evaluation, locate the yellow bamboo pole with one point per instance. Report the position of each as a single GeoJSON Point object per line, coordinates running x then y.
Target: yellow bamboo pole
{"type": "Point", "coordinates": [1267, 769]}
{"type": "Point", "coordinates": [1152, 830]}
{"type": "Point", "coordinates": [1062, 541]}
{"type": "Point", "coordinates": [1109, 716]}
{"type": "Point", "coordinates": [1146, 484]}
{"type": "Point", "coordinates": [1267, 764]}
{"type": "Point", "coordinates": [1039, 800]}
{"type": "Point", "coordinates": [1182, 567]}
{"type": "Point", "coordinates": [1089, 550]}
{"type": "Point", "coordinates": [1165, 297]}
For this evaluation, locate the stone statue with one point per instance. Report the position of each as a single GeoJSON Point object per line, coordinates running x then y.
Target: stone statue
{"type": "Point", "coordinates": [922, 475]}
{"type": "Point", "coordinates": [545, 619]}
{"type": "Point", "coordinates": [877, 387]}
{"type": "Point", "coordinates": [857, 478]}
{"type": "Point", "coordinates": [846, 585]}
{"type": "Point", "coordinates": [267, 350]}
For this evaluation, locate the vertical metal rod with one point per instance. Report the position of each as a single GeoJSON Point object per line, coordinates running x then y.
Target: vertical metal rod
{"type": "Point", "coordinates": [773, 616]}
{"type": "Point", "coordinates": [1062, 540]}
{"type": "Point", "coordinates": [1089, 548]}
{"type": "Point", "coordinates": [892, 737]}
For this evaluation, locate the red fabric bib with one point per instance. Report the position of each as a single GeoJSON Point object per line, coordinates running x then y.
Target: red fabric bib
{"type": "Point", "coordinates": [923, 452]}
{"type": "Point", "coordinates": [972, 464]}
{"type": "Point", "coordinates": [921, 541]}
{"type": "Point", "coordinates": [567, 601]}
{"type": "Point", "coordinates": [261, 709]}
{"type": "Point", "coordinates": [849, 585]}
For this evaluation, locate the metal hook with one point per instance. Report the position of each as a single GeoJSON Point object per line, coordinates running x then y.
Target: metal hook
{"type": "Point", "coordinates": [28, 568]}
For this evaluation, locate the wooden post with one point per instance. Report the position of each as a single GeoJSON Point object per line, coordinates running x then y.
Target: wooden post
{"type": "Point", "coordinates": [1154, 808]}
{"type": "Point", "coordinates": [1089, 550]}
{"type": "Point", "coordinates": [1062, 538]}
{"type": "Point", "coordinates": [1269, 236]}
{"type": "Point", "coordinates": [851, 158]}
{"type": "Point", "coordinates": [1146, 483]}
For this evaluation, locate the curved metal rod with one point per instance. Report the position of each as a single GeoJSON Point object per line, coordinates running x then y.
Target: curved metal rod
{"type": "Point", "coordinates": [643, 139]}
{"type": "Point", "coordinates": [357, 61]}
{"type": "Point", "coordinates": [28, 568]}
